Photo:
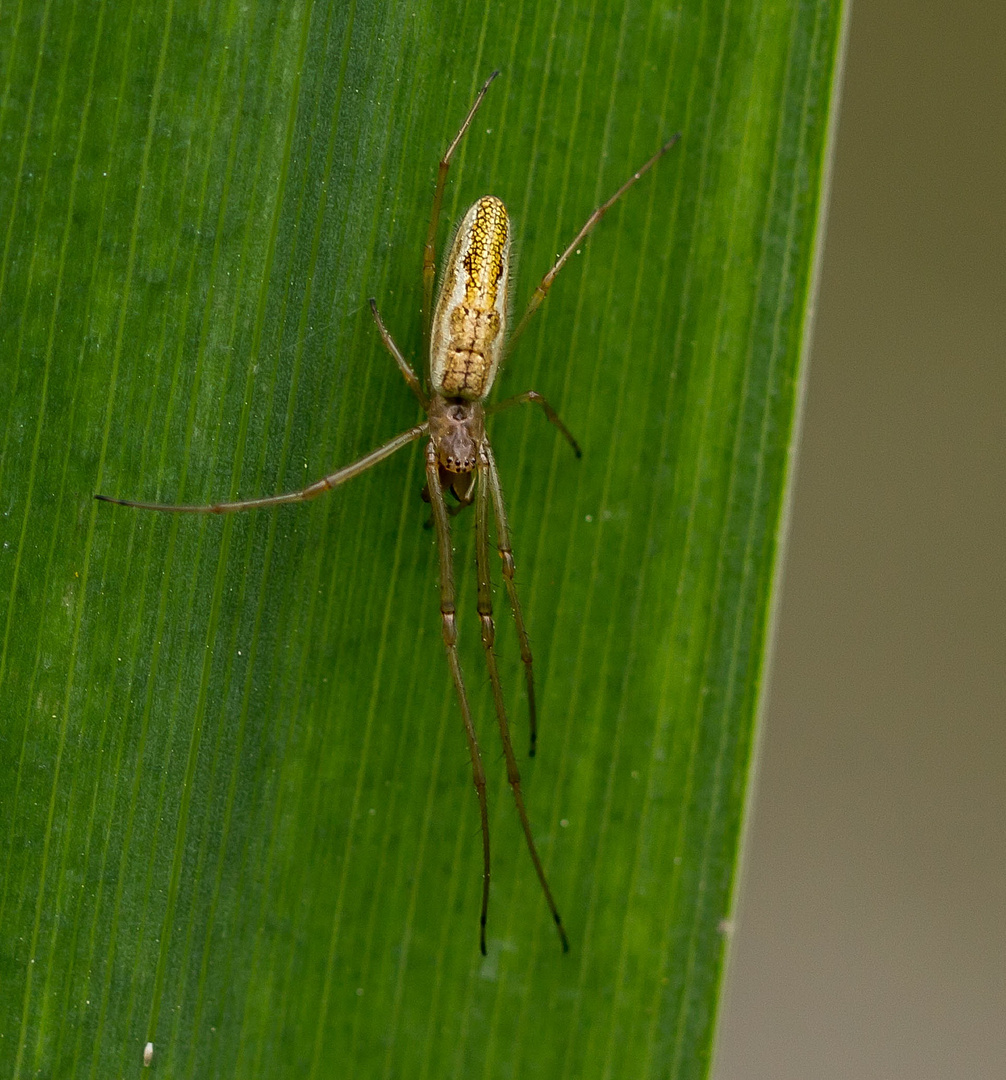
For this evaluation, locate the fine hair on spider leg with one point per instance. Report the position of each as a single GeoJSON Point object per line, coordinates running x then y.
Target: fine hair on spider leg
{"type": "Point", "coordinates": [467, 339]}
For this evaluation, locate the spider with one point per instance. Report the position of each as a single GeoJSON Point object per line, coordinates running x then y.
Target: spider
{"type": "Point", "coordinates": [466, 330]}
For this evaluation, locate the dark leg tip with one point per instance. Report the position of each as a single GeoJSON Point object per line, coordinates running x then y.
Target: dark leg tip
{"type": "Point", "coordinates": [562, 934]}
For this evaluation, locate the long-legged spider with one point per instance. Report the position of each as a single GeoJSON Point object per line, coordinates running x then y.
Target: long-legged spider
{"type": "Point", "coordinates": [466, 330]}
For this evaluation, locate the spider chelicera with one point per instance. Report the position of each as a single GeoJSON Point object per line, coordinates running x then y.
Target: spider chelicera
{"type": "Point", "coordinates": [466, 330]}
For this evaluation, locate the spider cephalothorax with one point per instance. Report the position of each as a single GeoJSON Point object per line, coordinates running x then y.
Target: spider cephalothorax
{"type": "Point", "coordinates": [457, 428]}
{"type": "Point", "coordinates": [457, 431]}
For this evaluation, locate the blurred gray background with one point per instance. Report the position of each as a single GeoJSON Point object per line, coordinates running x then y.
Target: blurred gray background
{"type": "Point", "coordinates": [871, 940]}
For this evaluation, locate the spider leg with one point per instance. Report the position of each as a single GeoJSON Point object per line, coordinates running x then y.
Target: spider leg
{"type": "Point", "coordinates": [506, 555]}
{"type": "Point", "coordinates": [450, 632]}
{"type": "Point", "coordinates": [403, 365]}
{"type": "Point", "coordinates": [550, 414]}
{"type": "Point", "coordinates": [541, 292]}
{"type": "Point", "coordinates": [312, 491]}
{"type": "Point", "coordinates": [430, 251]}
{"type": "Point", "coordinates": [453, 509]}
{"type": "Point", "coordinates": [485, 607]}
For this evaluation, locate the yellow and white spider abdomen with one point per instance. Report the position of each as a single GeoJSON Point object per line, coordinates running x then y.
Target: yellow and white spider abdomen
{"type": "Point", "coordinates": [469, 318]}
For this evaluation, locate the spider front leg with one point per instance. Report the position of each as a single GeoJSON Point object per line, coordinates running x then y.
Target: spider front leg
{"type": "Point", "coordinates": [450, 632]}
{"type": "Point", "coordinates": [465, 498]}
{"type": "Point", "coordinates": [485, 608]}
{"type": "Point", "coordinates": [506, 555]}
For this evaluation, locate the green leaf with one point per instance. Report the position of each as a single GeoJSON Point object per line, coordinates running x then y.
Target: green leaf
{"type": "Point", "coordinates": [236, 799]}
